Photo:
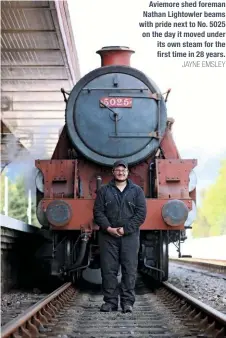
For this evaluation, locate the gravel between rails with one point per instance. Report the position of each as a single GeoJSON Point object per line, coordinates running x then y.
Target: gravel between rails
{"type": "Point", "coordinates": [14, 302]}
{"type": "Point", "coordinates": [202, 285]}
{"type": "Point", "coordinates": [152, 317]}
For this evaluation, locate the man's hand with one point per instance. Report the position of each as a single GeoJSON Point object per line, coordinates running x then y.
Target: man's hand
{"type": "Point", "coordinates": [120, 231]}
{"type": "Point", "coordinates": [114, 232]}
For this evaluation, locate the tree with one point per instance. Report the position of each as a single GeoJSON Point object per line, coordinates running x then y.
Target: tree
{"type": "Point", "coordinates": [2, 201]}
{"type": "Point", "coordinates": [211, 219]}
{"type": "Point", "coordinates": [18, 200]}
{"type": "Point", "coordinates": [201, 227]}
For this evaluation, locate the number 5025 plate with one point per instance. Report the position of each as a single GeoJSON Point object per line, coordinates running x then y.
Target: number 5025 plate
{"type": "Point", "coordinates": [116, 102]}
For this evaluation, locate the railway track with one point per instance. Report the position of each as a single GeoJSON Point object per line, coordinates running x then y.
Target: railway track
{"type": "Point", "coordinates": [211, 265]}
{"type": "Point", "coordinates": [165, 312]}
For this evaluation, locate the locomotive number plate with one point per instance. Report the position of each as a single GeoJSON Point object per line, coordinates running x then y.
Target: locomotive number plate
{"type": "Point", "coordinates": [116, 102]}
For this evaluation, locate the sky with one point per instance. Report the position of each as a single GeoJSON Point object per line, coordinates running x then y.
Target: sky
{"type": "Point", "coordinates": [197, 99]}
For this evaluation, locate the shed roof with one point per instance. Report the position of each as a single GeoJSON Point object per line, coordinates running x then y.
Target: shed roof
{"type": "Point", "coordinates": [39, 58]}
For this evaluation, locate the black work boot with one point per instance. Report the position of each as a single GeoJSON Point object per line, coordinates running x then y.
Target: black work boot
{"type": "Point", "coordinates": [107, 307]}
{"type": "Point", "coordinates": [127, 308]}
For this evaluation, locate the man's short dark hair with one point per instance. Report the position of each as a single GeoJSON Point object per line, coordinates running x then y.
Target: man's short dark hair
{"type": "Point", "coordinates": [120, 162]}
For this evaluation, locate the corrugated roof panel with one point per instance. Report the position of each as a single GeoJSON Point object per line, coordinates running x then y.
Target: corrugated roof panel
{"type": "Point", "coordinates": [24, 4]}
{"type": "Point", "coordinates": [27, 19]}
{"type": "Point", "coordinates": [38, 58]}
{"type": "Point", "coordinates": [35, 96]}
{"type": "Point", "coordinates": [31, 132]}
{"type": "Point", "coordinates": [39, 137]}
{"type": "Point", "coordinates": [34, 73]}
{"type": "Point", "coordinates": [21, 40]}
{"type": "Point", "coordinates": [43, 108]}
{"type": "Point", "coordinates": [48, 123]}
{"type": "Point", "coordinates": [34, 85]}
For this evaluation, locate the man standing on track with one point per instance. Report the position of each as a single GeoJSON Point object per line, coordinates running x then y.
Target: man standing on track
{"type": "Point", "coordinates": [119, 211]}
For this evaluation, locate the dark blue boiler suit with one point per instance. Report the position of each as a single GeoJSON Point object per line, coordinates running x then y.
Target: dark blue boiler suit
{"type": "Point", "coordinates": [125, 209]}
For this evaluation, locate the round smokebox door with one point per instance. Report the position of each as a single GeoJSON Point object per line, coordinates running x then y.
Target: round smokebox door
{"type": "Point", "coordinates": [113, 117]}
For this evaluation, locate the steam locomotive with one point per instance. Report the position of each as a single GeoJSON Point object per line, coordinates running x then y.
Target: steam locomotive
{"type": "Point", "coordinates": [114, 112]}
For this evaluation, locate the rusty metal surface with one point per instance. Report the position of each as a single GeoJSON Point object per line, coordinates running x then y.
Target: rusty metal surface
{"type": "Point", "coordinates": [168, 145]}
{"type": "Point", "coordinates": [89, 171]}
{"type": "Point", "coordinates": [83, 214]}
{"type": "Point", "coordinates": [38, 57]}
{"type": "Point", "coordinates": [173, 178]}
{"type": "Point", "coordinates": [154, 315]}
{"type": "Point", "coordinates": [194, 305]}
{"type": "Point", "coordinates": [115, 56]}
{"type": "Point", "coordinates": [75, 182]}
{"type": "Point", "coordinates": [39, 314]}
{"type": "Point", "coordinates": [59, 177]}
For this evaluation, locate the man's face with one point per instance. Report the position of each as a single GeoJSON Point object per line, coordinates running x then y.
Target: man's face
{"type": "Point", "coordinates": [120, 173]}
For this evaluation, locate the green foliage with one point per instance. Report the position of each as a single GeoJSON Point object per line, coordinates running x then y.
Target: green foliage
{"type": "Point", "coordinates": [18, 200]}
{"type": "Point", "coordinates": [211, 218]}
{"type": "Point", "coordinates": [3, 192]}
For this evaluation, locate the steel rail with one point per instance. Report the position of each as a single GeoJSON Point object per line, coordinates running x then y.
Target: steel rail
{"type": "Point", "coordinates": [29, 322]}
{"type": "Point", "coordinates": [210, 265]}
{"type": "Point", "coordinates": [208, 317]}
